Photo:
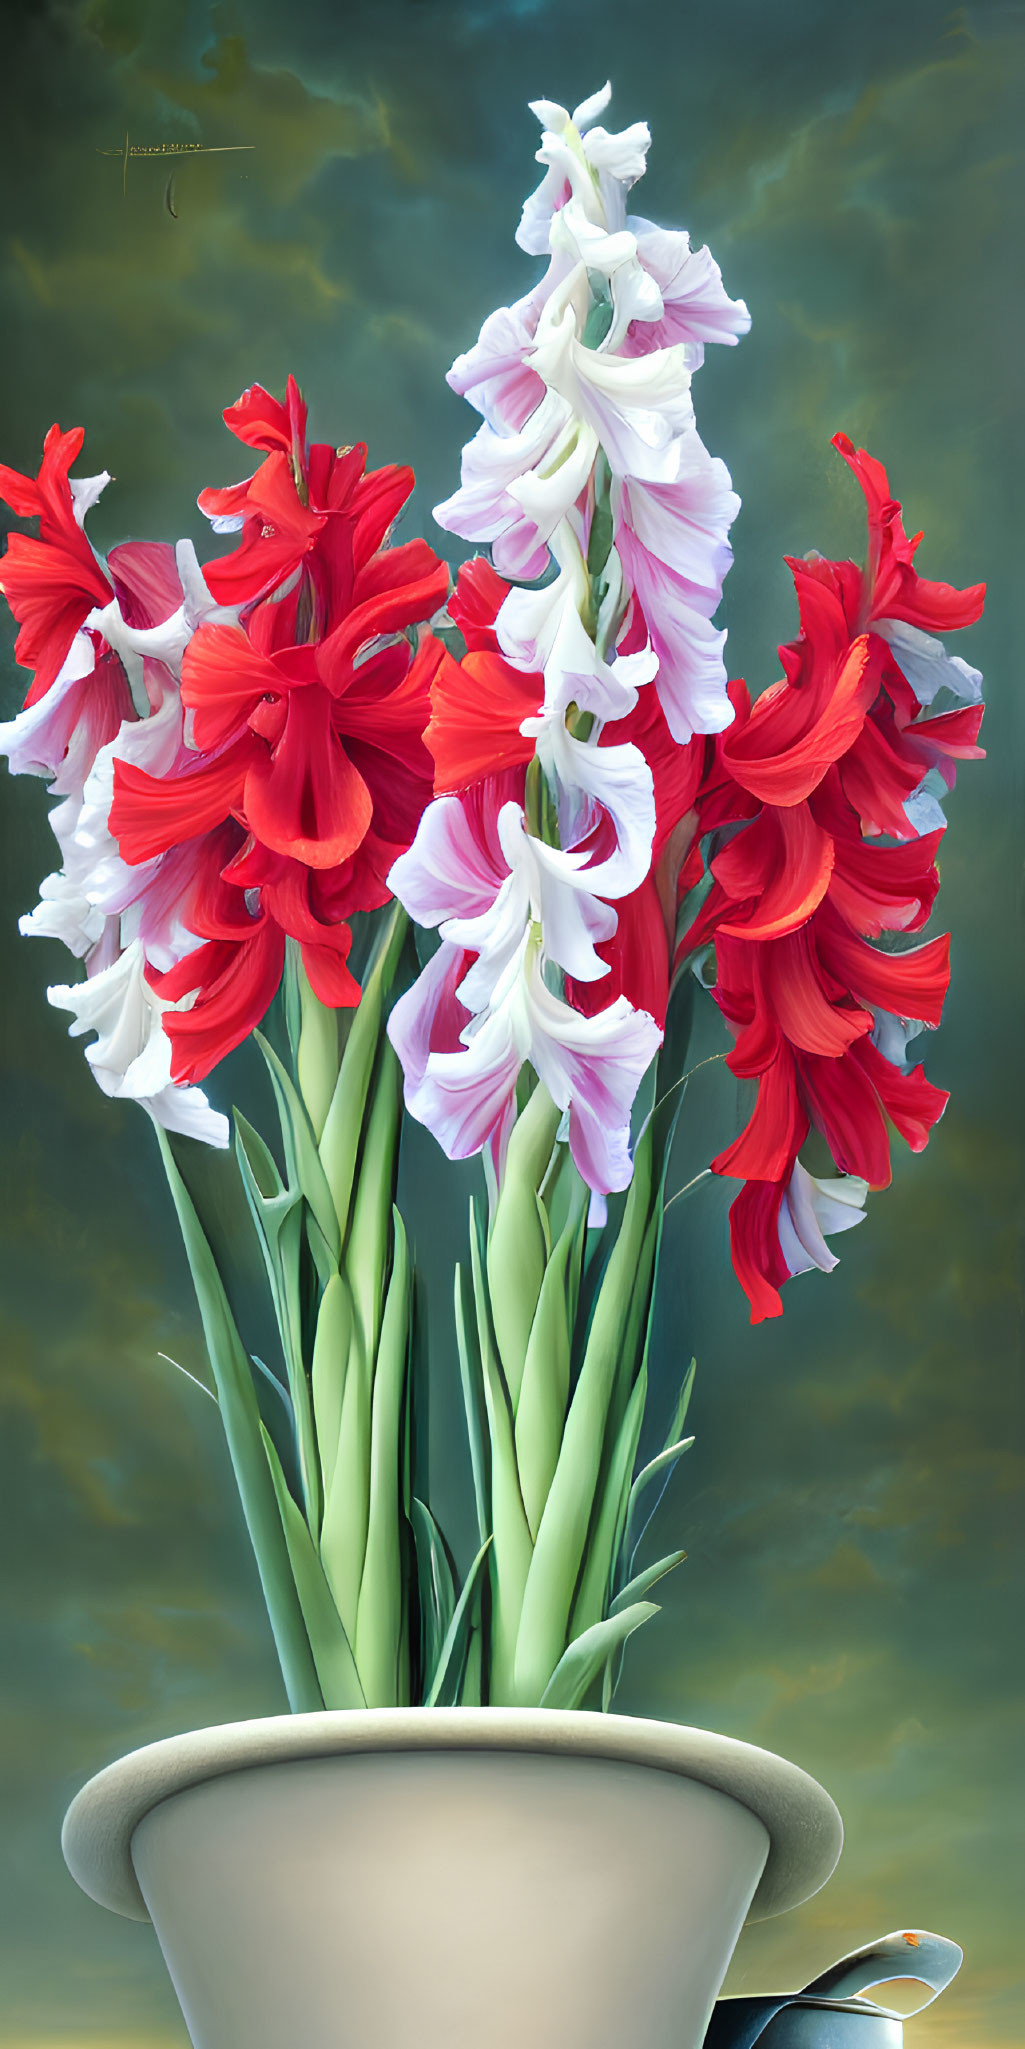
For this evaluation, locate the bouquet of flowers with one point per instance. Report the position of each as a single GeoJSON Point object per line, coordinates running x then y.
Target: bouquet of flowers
{"type": "Point", "coordinates": [470, 853]}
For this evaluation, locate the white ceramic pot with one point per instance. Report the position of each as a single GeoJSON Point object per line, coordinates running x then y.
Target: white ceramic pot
{"type": "Point", "coordinates": [450, 1878]}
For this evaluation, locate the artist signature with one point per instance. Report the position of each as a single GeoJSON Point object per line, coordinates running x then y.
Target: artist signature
{"type": "Point", "coordinates": [130, 149]}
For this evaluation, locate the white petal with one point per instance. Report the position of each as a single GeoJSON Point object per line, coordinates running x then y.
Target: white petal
{"type": "Point", "coordinates": [592, 1066]}
{"type": "Point", "coordinates": [927, 665]}
{"type": "Point", "coordinates": [131, 1056]}
{"type": "Point", "coordinates": [691, 679]}
{"type": "Point", "coordinates": [812, 1206]}
{"type": "Point", "coordinates": [697, 306]}
{"type": "Point", "coordinates": [84, 493]}
{"type": "Point", "coordinates": [623, 156]}
{"type": "Point", "coordinates": [588, 110]}
{"type": "Point", "coordinates": [447, 872]}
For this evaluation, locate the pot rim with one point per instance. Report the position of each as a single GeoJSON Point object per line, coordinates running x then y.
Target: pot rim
{"type": "Point", "coordinates": [804, 1827]}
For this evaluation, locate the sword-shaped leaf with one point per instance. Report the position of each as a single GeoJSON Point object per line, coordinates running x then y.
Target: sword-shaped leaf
{"type": "Point", "coordinates": [581, 1663]}
{"type": "Point", "coordinates": [379, 1615]}
{"type": "Point", "coordinates": [436, 1581]}
{"type": "Point", "coordinates": [517, 1241]}
{"type": "Point", "coordinates": [277, 1214]}
{"type": "Point", "coordinates": [368, 1245]}
{"type": "Point", "coordinates": [331, 1349]}
{"type": "Point", "coordinates": [343, 1125]}
{"type": "Point", "coordinates": [303, 1162]}
{"type": "Point", "coordinates": [512, 1549]}
{"type": "Point", "coordinates": [637, 1587]}
{"type": "Point", "coordinates": [446, 1681]}
{"type": "Point", "coordinates": [559, 1549]}
{"type": "Point", "coordinates": [471, 1374]}
{"type": "Point", "coordinates": [243, 1431]}
{"type": "Point", "coordinates": [332, 1653]}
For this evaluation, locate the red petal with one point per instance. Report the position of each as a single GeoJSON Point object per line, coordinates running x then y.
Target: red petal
{"type": "Point", "coordinates": [262, 421]}
{"type": "Point", "coordinates": [477, 706]}
{"type": "Point", "coordinates": [878, 779]}
{"type": "Point", "coordinates": [778, 1127]}
{"type": "Point", "coordinates": [150, 814]}
{"type": "Point", "coordinates": [638, 958]}
{"type": "Point", "coordinates": [46, 497]}
{"type": "Point", "coordinates": [279, 531]}
{"type": "Point", "coordinates": [387, 611]}
{"type": "Point", "coordinates": [223, 679]}
{"type": "Point", "coordinates": [803, 998]}
{"type": "Point", "coordinates": [377, 500]}
{"type": "Point", "coordinates": [910, 985]}
{"type": "Point", "coordinates": [51, 587]}
{"type": "Point", "coordinates": [885, 889]}
{"type": "Point", "coordinates": [306, 798]}
{"type": "Point", "coordinates": [845, 1108]}
{"type": "Point", "coordinates": [779, 756]}
{"type": "Point", "coordinates": [896, 591]}
{"type": "Point", "coordinates": [912, 1103]}
{"type": "Point", "coordinates": [782, 864]}
{"type": "Point", "coordinates": [475, 603]}
{"type": "Point", "coordinates": [236, 984]}
{"type": "Point", "coordinates": [757, 1255]}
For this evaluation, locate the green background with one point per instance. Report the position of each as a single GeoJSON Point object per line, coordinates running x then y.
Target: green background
{"type": "Point", "coordinates": [852, 1508]}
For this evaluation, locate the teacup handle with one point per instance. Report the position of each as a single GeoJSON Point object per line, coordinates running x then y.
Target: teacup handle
{"type": "Point", "coordinates": [907, 1953]}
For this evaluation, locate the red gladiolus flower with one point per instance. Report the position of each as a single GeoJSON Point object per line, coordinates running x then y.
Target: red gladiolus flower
{"type": "Point", "coordinates": [831, 754]}
{"type": "Point", "coordinates": [305, 508]}
{"type": "Point", "coordinates": [51, 583]}
{"type": "Point", "coordinates": [310, 772]}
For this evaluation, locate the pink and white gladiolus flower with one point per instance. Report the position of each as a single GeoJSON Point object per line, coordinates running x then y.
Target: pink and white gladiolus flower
{"type": "Point", "coordinates": [585, 385]}
{"type": "Point", "coordinates": [507, 907]}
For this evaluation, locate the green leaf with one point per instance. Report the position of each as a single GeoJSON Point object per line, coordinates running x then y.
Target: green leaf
{"type": "Point", "coordinates": [447, 1679]}
{"type": "Point", "coordinates": [305, 1170]}
{"type": "Point", "coordinates": [336, 1666]}
{"type": "Point", "coordinates": [243, 1431]}
{"type": "Point", "coordinates": [559, 1549]}
{"type": "Point", "coordinates": [437, 1585]}
{"type": "Point", "coordinates": [471, 1374]}
{"type": "Point", "coordinates": [517, 1248]}
{"type": "Point", "coordinates": [544, 1390]}
{"type": "Point", "coordinates": [277, 1214]}
{"type": "Point", "coordinates": [367, 1246]}
{"type": "Point", "coordinates": [339, 1143]}
{"type": "Point", "coordinates": [599, 1555]}
{"type": "Point", "coordinates": [316, 1056]}
{"type": "Point", "coordinates": [582, 1662]}
{"type": "Point", "coordinates": [660, 1468]}
{"type": "Point", "coordinates": [640, 1584]}
{"type": "Point", "coordinates": [470, 1691]}
{"type": "Point", "coordinates": [343, 1532]}
{"type": "Point", "coordinates": [331, 1347]}
{"type": "Point", "coordinates": [511, 1552]}
{"type": "Point", "coordinates": [379, 1615]}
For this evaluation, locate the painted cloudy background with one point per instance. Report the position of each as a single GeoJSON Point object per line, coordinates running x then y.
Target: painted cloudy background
{"type": "Point", "coordinates": [852, 1508]}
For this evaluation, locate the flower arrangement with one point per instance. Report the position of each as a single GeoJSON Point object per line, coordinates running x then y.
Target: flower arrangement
{"type": "Point", "coordinates": [471, 854]}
